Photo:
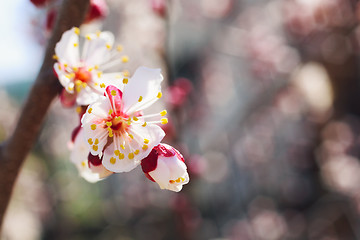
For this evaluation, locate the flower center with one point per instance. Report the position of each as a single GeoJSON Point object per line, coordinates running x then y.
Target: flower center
{"type": "Point", "coordinates": [82, 75]}
{"type": "Point", "coordinates": [118, 123]}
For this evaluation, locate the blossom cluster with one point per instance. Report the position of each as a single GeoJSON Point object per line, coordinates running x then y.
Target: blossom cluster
{"type": "Point", "coordinates": [114, 134]}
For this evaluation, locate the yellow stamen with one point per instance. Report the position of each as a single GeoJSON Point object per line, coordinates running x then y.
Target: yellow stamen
{"type": "Point", "coordinates": [75, 44]}
{"type": "Point", "coordinates": [75, 69]}
{"type": "Point", "coordinates": [98, 33]}
{"type": "Point", "coordinates": [135, 118]}
{"type": "Point", "coordinates": [144, 125]}
{"type": "Point", "coordinates": [71, 88]}
{"type": "Point", "coordinates": [83, 163]}
{"type": "Point", "coordinates": [159, 95]}
{"type": "Point", "coordinates": [78, 82]}
{"type": "Point", "coordinates": [140, 99]}
{"type": "Point", "coordinates": [145, 147]}
{"type": "Point", "coordinates": [110, 111]}
{"type": "Point", "coordinates": [93, 126]}
{"type": "Point", "coordinates": [55, 57]}
{"type": "Point", "coordinates": [164, 121]}
{"type": "Point", "coordinates": [131, 136]}
{"type": "Point", "coordinates": [117, 152]}
{"type": "Point", "coordinates": [90, 141]}
{"type": "Point", "coordinates": [131, 155]}
{"type": "Point", "coordinates": [125, 59]}
{"type": "Point", "coordinates": [171, 181]}
{"type": "Point", "coordinates": [112, 160]}
{"type": "Point", "coordinates": [96, 67]}
{"type": "Point", "coordinates": [178, 180]}
{"type": "Point", "coordinates": [121, 156]}
{"type": "Point", "coordinates": [90, 69]}
{"type": "Point", "coordinates": [108, 46]}
{"type": "Point", "coordinates": [88, 37]}
{"type": "Point", "coordinates": [99, 74]}
{"type": "Point", "coordinates": [89, 110]}
{"type": "Point", "coordinates": [76, 30]}
{"type": "Point", "coordinates": [102, 85]}
{"type": "Point", "coordinates": [137, 151]}
{"type": "Point", "coordinates": [109, 124]}
{"type": "Point", "coordinates": [113, 92]}
{"type": "Point", "coordinates": [122, 146]}
{"type": "Point", "coordinates": [126, 73]}
{"type": "Point", "coordinates": [78, 109]}
{"type": "Point", "coordinates": [146, 141]}
{"type": "Point", "coordinates": [84, 85]}
{"type": "Point", "coordinates": [95, 147]}
{"type": "Point", "coordinates": [96, 141]}
{"type": "Point", "coordinates": [163, 113]}
{"type": "Point", "coordinates": [119, 48]}
{"type": "Point", "coordinates": [125, 81]}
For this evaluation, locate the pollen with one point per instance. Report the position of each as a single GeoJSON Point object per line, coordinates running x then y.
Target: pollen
{"type": "Point", "coordinates": [96, 67]}
{"type": "Point", "coordinates": [55, 57]}
{"type": "Point", "coordinates": [144, 125]}
{"type": "Point", "coordinates": [108, 46]}
{"type": "Point", "coordinates": [125, 81]}
{"type": "Point", "coordinates": [89, 110]}
{"type": "Point", "coordinates": [135, 118]}
{"type": "Point", "coordinates": [122, 146]}
{"type": "Point", "coordinates": [113, 92]}
{"type": "Point", "coordinates": [78, 82]}
{"type": "Point", "coordinates": [117, 152]}
{"type": "Point", "coordinates": [90, 141]}
{"type": "Point", "coordinates": [96, 141]}
{"type": "Point", "coordinates": [178, 180]}
{"type": "Point", "coordinates": [65, 65]}
{"type": "Point", "coordinates": [102, 85]}
{"type": "Point", "coordinates": [146, 141]}
{"type": "Point", "coordinates": [109, 124]}
{"type": "Point", "coordinates": [112, 160]}
{"type": "Point", "coordinates": [95, 147]}
{"type": "Point", "coordinates": [140, 99]}
{"type": "Point", "coordinates": [137, 151]}
{"type": "Point", "coordinates": [83, 163]}
{"type": "Point", "coordinates": [75, 69]}
{"type": "Point", "coordinates": [125, 59]}
{"type": "Point", "coordinates": [75, 44]}
{"type": "Point", "coordinates": [110, 112]}
{"type": "Point", "coordinates": [98, 33]}
{"type": "Point", "coordinates": [70, 88]}
{"type": "Point", "coordinates": [163, 113]}
{"type": "Point", "coordinates": [99, 74]}
{"type": "Point", "coordinates": [76, 30]}
{"type": "Point", "coordinates": [131, 136]}
{"type": "Point", "coordinates": [121, 156]}
{"type": "Point", "coordinates": [110, 132]}
{"type": "Point", "coordinates": [88, 37]}
{"type": "Point", "coordinates": [93, 126]}
{"type": "Point", "coordinates": [90, 69]}
{"type": "Point", "coordinates": [171, 181]}
{"type": "Point", "coordinates": [159, 95]}
{"type": "Point", "coordinates": [131, 155]}
{"type": "Point", "coordinates": [78, 109]}
{"type": "Point", "coordinates": [119, 48]}
{"type": "Point", "coordinates": [164, 121]}
{"type": "Point", "coordinates": [84, 85]}
{"type": "Point", "coordinates": [59, 67]}
{"type": "Point", "coordinates": [145, 147]}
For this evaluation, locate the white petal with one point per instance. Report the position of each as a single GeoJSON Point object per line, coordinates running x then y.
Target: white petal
{"type": "Point", "coordinates": [80, 150]}
{"type": "Point", "coordinates": [67, 49]}
{"type": "Point", "coordinates": [146, 83]}
{"type": "Point", "coordinates": [97, 51]}
{"type": "Point", "coordinates": [115, 79]}
{"type": "Point", "coordinates": [96, 111]}
{"type": "Point", "coordinates": [87, 96]}
{"type": "Point", "coordinates": [120, 165]}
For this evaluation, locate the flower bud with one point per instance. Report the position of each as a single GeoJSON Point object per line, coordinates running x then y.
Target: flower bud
{"type": "Point", "coordinates": [165, 166]}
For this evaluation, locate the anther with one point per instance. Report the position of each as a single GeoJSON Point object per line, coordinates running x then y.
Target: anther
{"type": "Point", "coordinates": [117, 152]}
{"type": "Point", "coordinates": [110, 111]}
{"type": "Point", "coordinates": [109, 124]}
{"type": "Point", "coordinates": [140, 99]}
{"type": "Point", "coordinates": [88, 37]}
{"type": "Point", "coordinates": [131, 155]}
{"type": "Point", "coordinates": [121, 156]}
{"type": "Point", "coordinates": [164, 121]}
{"type": "Point", "coordinates": [99, 74]}
{"type": "Point", "coordinates": [93, 126]}
{"type": "Point", "coordinates": [76, 30]}
{"type": "Point", "coordinates": [90, 141]}
{"type": "Point", "coordinates": [108, 46]}
{"type": "Point", "coordinates": [163, 113]}
{"type": "Point", "coordinates": [95, 147]}
{"type": "Point", "coordinates": [112, 160]}
{"type": "Point", "coordinates": [125, 81]}
{"type": "Point", "coordinates": [125, 59]}
{"type": "Point", "coordinates": [119, 48]}
{"type": "Point", "coordinates": [135, 118]}
{"type": "Point", "coordinates": [96, 141]}
{"type": "Point", "coordinates": [146, 141]}
{"type": "Point", "coordinates": [137, 151]}
{"type": "Point", "coordinates": [145, 147]}
{"type": "Point", "coordinates": [55, 57]}
{"type": "Point", "coordinates": [144, 125]}
{"type": "Point", "coordinates": [113, 92]}
{"type": "Point", "coordinates": [102, 85]}
{"type": "Point", "coordinates": [75, 44]}
{"type": "Point", "coordinates": [159, 95]}
{"type": "Point", "coordinates": [89, 110]}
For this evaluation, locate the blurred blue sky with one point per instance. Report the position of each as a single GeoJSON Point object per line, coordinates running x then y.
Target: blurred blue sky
{"type": "Point", "coordinates": [21, 54]}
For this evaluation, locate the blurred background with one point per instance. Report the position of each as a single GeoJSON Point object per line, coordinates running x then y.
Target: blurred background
{"type": "Point", "coordinates": [265, 107]}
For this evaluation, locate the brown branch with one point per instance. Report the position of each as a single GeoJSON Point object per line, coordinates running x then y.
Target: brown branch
{"type": "Point", "coordinates": [45, 89]}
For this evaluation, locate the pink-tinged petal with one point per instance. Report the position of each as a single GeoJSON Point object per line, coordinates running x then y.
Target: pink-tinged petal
{"type": "Point", "coordinates": [97, 49]}
{"type": "Point", "coordinates": [142, 89]}
{"type": "Point", "coordinates": [100, 170]}
{"type": "Point", "coordinates": [62, 76]}
{"type": "Point", "coordinates": [67, 49]}
{"type": "Point", "coordinates": [97, 111]}
{"type": "Point", "coordinates": [67, 99]}
{"type": "Point", "coordinates": [112, 162]}
{"type": "Point", "coordinates": [98, 9]}
{"type": "Point", "coordinates": [115, 98]}
{"type": "Point", "coordinates": [149, 163]}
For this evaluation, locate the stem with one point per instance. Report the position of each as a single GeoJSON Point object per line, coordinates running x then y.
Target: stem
{"type": "Point", "coordinates": [46, 87]}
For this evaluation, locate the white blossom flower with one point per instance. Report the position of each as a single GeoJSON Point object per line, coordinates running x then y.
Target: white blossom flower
{"type": "Point", "coordinates": [88, 168]}
{"type": "Point", "coordinates": [165, 166]}
{"type": "Point", "coordinates": [81, 71]}
{"type": "Point", "coordinates": [115, 127]}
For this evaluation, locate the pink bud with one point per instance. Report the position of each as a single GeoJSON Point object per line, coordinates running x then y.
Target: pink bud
{"type": "Point", "coordinates": [98, 9]}
{"type": "Point", "coordinates": [165, 166]}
